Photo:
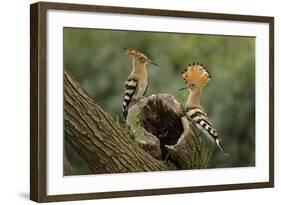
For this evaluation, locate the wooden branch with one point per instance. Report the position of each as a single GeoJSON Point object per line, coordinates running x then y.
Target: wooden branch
{"type": "Point", "coordinates": [105, 146]}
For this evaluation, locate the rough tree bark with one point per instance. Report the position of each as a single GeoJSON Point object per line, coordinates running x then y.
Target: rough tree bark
{"type": "Point", "coordinates": [104, 146]}
{"type": "Point", "coordinates": [163, 139]}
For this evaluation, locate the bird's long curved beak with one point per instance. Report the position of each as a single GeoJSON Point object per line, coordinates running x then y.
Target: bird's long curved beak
{"type": "Point", "coordinates": [184, 88]}
{"type": "Point", "coordinates": [153, 63]}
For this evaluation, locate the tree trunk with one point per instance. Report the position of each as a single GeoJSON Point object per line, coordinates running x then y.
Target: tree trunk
{"type": "Point", "coordinates": [104, 145]}
{"type": "Point", "coordinates": [162, 138]}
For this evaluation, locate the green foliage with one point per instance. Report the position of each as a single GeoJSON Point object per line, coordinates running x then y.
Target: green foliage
{"type": "Point", "coordinates": [120, 122]}
{"type": "Point", "coordinates": [206, 153]}
{"type": "Point", "coordinates": [97, 60]}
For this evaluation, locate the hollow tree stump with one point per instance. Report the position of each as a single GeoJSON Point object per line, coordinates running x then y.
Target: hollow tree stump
{"type": "Point", "coordinates": [161, 129]}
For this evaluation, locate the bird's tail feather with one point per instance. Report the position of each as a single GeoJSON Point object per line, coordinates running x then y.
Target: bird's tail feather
{"type": "Point", "coordinates": [221, 147]}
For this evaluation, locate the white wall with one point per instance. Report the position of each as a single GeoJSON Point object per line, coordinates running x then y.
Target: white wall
{"type": "Point", "coordinates": [14, 103]}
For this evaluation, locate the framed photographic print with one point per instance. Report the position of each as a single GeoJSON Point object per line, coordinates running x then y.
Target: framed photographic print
{"type": "Point", "coordinates": [133, 102]}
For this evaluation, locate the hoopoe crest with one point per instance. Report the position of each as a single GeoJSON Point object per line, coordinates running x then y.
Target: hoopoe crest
{"type": "Point", "coordinates": [137, 82]}
{"type": "Point", "coordinates": [196, 77]}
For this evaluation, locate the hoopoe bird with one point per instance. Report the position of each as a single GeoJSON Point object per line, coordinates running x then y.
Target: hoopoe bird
{"type": "Point", "coordinates": [196, 77]}
{"type": "Point", "coordinates": [137, 82]}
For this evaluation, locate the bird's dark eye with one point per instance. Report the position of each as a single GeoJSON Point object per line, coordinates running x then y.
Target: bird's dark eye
{"type": "Point", "coordinates": [192, 85]}
{"type": "Point", "coordinates": [142, 59]}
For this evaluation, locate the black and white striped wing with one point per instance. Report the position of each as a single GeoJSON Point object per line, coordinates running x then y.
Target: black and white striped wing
{"type": "Point", "coordinates": [130, 89]}
{"type": "Point", "coordinates": [200, 119]}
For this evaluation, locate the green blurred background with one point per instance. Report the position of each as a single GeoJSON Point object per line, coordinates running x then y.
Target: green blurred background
{"type": "Point", "coordinates": [96, 59]}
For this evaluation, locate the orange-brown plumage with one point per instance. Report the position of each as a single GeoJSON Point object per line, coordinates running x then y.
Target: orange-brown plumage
{"type": "Point", "coordinates": [197, 74]}
{"type": "Point", "coordinates": [137, 82]}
